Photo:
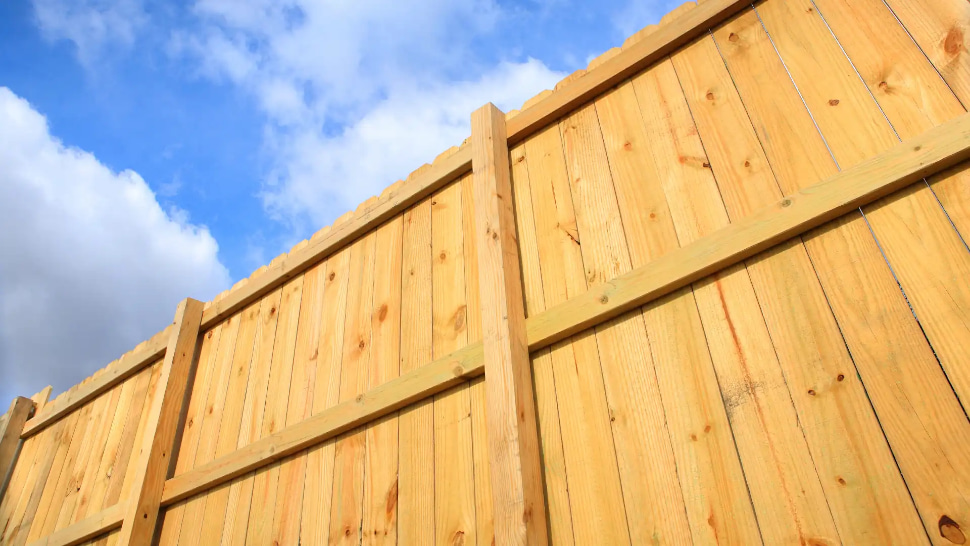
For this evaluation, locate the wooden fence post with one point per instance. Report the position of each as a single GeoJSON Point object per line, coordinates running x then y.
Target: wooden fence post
{"type": "Point", "coordinates": [20, 410]}
{"type": "Point", "coordinates": [151, 471]}
{"type": "Point", "coordinates": [513, 440]}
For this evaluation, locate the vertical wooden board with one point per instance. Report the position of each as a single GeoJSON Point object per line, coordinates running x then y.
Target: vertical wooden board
{"type": "Point", "coordinates": [60, 487]}
{"type": "Point", "coordinates": [93, 502]}
{"type": "Point", "coordinates": [942, 30]}
{"type": "Point", "coordinates": [547, 408]}
{"type": "Point", "coordinates": [930, 265]}
{"type": "Point", "coordinates": [841, 429]}
{"type": "Point", "coordinates": [715, 492]}
{"type": "Point", "coordinates": [251, 425]}
{"type": "Point", "coordinates": [591, 469]}
{"type": "Point", "coordinates": [639, 425]}
{"type": "Point", "coordinates": [484, 518]}
{"type": "Point", "coordinates": [416, 423]}
{"type": "Point", "coordinates": [45, 450]}
{"type": "Point", "coordinates": [114, 412]}
{"type": "Point", "coordinates": [381, 437]}
{"type": "Point", "coordinates": [232, 416]}
{"type": "Point", "coordinates": [190, 532]}
{"type": "Point", "coordinates": [318, 481]}
{"type": "Point", "coordinates": [860, 287]}
{"type": "Point", "coordinates": [121, 489]}
{"type": "Point", "coordinates": [20, 480]}
{"type": "Point", "coordinates": [192, 428]}
{"type": "Point", "coordinates": [263, 504]}
{"type": "Point", "coordinates": [914, 98]}
{"type": "Point", "coordinates": [346, 518]}
{"type": "Point", "coordinates": [782, 481]}
{"type": "Point", "coordinates": [88, 449]}
{"type": "Point", "coordinates": [289, 501]}
{"type": "Point", "coordinates": [454, 461]}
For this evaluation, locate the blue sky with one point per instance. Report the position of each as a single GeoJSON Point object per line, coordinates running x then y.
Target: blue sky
{"type": "Point", "coordinates": [234, 128]}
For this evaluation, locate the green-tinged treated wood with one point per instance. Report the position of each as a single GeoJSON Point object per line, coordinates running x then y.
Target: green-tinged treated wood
{"type": "Point", "coordinates": [152, 468]}
{"type": "Point", "coordinates": [20, 410]}
{"type": "Point", "coordinates": [90, 527]}
{"type": "Point", "coordinates": [127, 366]}
{"type": "Point", "coordinates": [516, 471]}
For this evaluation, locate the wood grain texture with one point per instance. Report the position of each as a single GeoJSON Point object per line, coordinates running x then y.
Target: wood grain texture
{"type": "Point", "coordinates": [937, 149]}
{"type": "Point", "coordinates": [416, 423]}
{"type": "Point", "coordinates": [914, 98]}
{"type": "Point", "coordinates": [346, 518]}
{"type": "Point", "coordinates": [380, 499]}
{"type": "Point", "coordinates": [90, 527]}
{"type": "Point", "coordinates": [385, 208]}
{"type": "Point", "coordinates": [453, 456]}
{"type": "Point", "coordinates": [547, 407]}
{"type": "Point", "coordinates": [318, 480]}
{"type": "Point", "coordinates": [130, 364]}
{"type": "Point", "coordinates": [636, 412]}
{"type": "Point", "coordinates": [165, 411]}
{"type": "Point", "coordinates": [514, 462]}
{"type": "Point", "coordinates": [10, 430]}
{"type": "Point", "coordinates": [589, 455]}
{"type": "Point", "coordinates": [640, 55]}
{"type": "Point", "coordinates": [265, 485]}
{"type": "Point", "coordinates": [927, 260]}
{"type": "Point", "coordinates": [715, 493]}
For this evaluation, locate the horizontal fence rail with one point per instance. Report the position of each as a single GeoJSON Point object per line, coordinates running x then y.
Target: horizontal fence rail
{"type": "Point", "coordinates": [513, 449]}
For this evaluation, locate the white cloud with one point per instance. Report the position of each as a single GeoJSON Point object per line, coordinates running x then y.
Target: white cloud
{"type": "Point", "coordinates": [91, 25]}
{"type": "Point", "coordinates": [91, 263]}
{"type": "Point", "coordinates": [320, 176]}
{"type": "Point", "coordinates": [356, 94]}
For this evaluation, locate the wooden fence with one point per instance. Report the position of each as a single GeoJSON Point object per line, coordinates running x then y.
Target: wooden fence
{"type": "Point", "coordinates": [713, 289]}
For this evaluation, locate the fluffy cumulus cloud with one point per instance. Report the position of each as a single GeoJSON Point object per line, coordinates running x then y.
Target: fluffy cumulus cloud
{"type": "Point", "coordinates": [91, 263]}
{"type": "Point", "coordinates": [356, 94]}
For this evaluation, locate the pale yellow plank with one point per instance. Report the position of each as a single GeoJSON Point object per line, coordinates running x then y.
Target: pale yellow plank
{"type": "Point", "coordinates": [590, 458]}
{"type": "Point", "coordinates": [867, 496]}
{"type": "Point", "coordinates": [381, 437]}
{"type": "Point", "coordinates": [547, 408]}
{"type": "Point", "coordinates": [260, 521]}
{"type": "Point", "coordinates": [416, 423]}
{"type": "Point", "coordinates": [484, 516]}
{"type": "Point", "coordinates": [192, 430]}
{"type": "Point", "coordinates": [650, 487]}
{"type": "Point", "coordinates": [195, 510]}
{"type": "Point", "coordinates": [232, 416]}
{"type": "Point", "coordinates": [346, 518]}
{"type": "Point", "coordinates": [163, 423]}
{"type": "Point", "coordinates": [942, 30]}
{"type": "Point", "coordinates": [915, 99]}
{"type": "Point", "coordinates": [781, 476]}
{"type": "Point", "coordinates": [318, 481]}
{"type": "Point", "coordinates": [453, 458]}
{"type": "Point", "coordinates": [46, 450]}
{"type": "Point", "coordinates": [716, 496]}
{"type": "Point", "coordinates": [251, 426]}
{"type": "Point", "coordinates": [929, 263]}
{"type": "Point", "coordinates": [289, 501]}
